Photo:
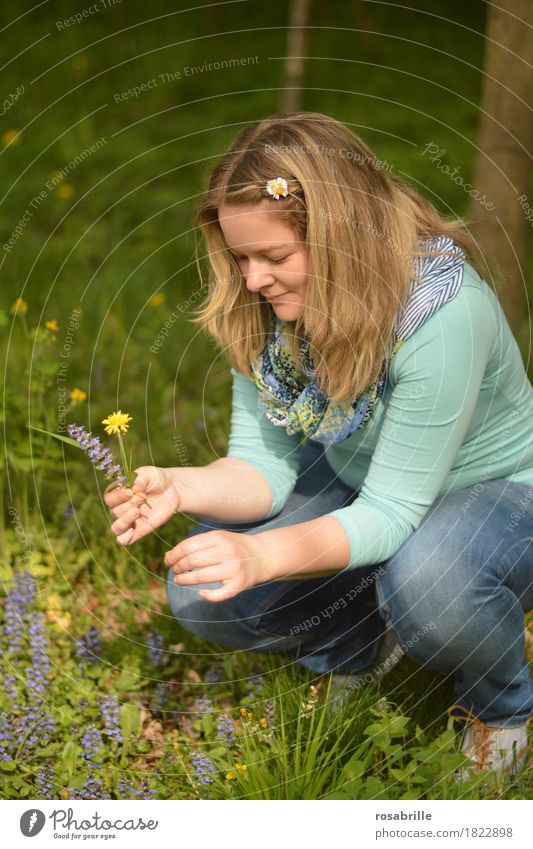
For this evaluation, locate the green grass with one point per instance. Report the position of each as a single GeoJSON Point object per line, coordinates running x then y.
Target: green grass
{"type": "Point", "coordinates": [121, 233]}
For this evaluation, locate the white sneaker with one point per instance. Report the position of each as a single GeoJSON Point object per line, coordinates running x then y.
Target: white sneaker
{"type": "Point", "coordinates": [388, 655]}
{"type": "Point", "coordinates": [494, 748]}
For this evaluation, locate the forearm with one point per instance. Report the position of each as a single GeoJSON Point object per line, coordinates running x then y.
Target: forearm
{"type": "Point", "coordinates": [227, 490]}
{"type": "Point", "coordinates": [306, 550]}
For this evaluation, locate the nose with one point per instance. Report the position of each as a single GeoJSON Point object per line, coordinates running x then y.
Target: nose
{"type": "Point", "coordinates": [257, 276]}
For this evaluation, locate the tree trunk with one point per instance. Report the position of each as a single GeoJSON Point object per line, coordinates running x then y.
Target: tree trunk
{"type": "Point", "coordinates": [503, 161]}
{"type": "Point", "coordinates": [296, 50]}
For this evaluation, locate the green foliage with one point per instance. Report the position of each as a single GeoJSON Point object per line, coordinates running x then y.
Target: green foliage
{"type": "Point", "coordinates": [119, 234]}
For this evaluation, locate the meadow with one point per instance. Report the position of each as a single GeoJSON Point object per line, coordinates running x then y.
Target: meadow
{"type": "Point", "coordinates": [109, 127]}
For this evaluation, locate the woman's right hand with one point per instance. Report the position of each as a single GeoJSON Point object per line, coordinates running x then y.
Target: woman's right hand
{"type": "Point", "coordinates": [134, 519]}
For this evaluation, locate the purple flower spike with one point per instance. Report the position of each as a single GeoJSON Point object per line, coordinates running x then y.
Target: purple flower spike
{"type": "Point", "coordinates": [111, 715]}
{"type": "Point", "coordinates": [155, 643]}
{"type": "Point", "coordinates": [100, 456]}
{"type": "Point", "coordinates": [203, 767]}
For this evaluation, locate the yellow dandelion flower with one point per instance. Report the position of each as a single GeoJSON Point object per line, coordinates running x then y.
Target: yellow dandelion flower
{"type": "Point", "coordinates": [19, 305]}
{"type": "Point", "coordinates": [11, 137]}
{"type": "Point", "coordinates": [157, 299]}
{"type": "Point", "coordinates": [54, 612]}
{"type": "Point", "coordinates": [241, 768]}
{"type": "Point", "coordinates": [64, 192]}
{"type": "Point", "coordinates": [57, 177]}
{"type": "Point", "coordinates": [263, 722]}
{"type": "Point", "coordinates": [77, 395]}
{"type": "Point", "coordinates": [117, 423]}
{"type": "Point", "coordinates": [80, 63]}
{"type": "Point", "coordinates": [52, 325]}
{"type": "Point", "coordinates": [53, 601]}
{"type": "Point", "coordinates": [57, 617]}
{"type": "Point", "coordinates": [230, 775]}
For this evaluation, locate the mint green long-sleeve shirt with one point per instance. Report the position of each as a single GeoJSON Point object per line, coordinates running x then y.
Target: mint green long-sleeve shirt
{"type": "Point", "coordinates": [457, 410]}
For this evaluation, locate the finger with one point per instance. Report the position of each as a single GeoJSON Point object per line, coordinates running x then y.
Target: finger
{"type": "Point", "coordinates": [117, 496]}
{"type": "Point", "coordinates": [141, 482]}
{"type": "Point", "coordinates": [220, 594]}
{"type": "Point", "coordinates": [122, 509]}
{"type": "Point", "coordinates": [197, 560]}
{"type": "Point", "coordinates": [139, 530]}
{"type": "Point", "coordinates": [125, 522]}
{"type": "Point", "coordinates": [188, 546]}
{"type": "Point", "coordinates": [126, 538]}
{"type": "Point", "coordinates": [201, 576]}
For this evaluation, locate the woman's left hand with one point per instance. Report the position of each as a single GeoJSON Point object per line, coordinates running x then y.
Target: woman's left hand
{"type": "Point", "coordinates": [233, 559]}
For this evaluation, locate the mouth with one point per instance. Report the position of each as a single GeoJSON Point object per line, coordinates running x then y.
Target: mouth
{"type": "Point", "coordinates": [277, 297]}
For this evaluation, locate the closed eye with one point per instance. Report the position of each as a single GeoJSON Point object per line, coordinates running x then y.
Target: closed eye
{"type": "Point", "coordinates": [273, 261]}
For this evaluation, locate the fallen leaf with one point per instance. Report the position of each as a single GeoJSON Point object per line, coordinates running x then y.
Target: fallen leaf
{"type": "Point", "coordinates": [153, 732]}
{"type": "Point", "coordinates": [193, 675]}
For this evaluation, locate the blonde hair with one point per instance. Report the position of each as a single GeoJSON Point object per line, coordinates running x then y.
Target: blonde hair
{"type": "Point", "coordinates": [360, 226]}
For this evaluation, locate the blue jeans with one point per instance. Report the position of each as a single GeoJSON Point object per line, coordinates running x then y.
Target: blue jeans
{"type": "Point", "coordinates": [455, 593]}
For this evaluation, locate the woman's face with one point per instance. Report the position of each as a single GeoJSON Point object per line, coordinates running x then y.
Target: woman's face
{"type": "Point", "coordinates": [272, 260]}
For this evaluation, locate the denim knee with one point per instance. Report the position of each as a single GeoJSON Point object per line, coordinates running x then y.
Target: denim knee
{"type": "Point", "coordinates": [191, 611]}
{"type": "Point", "coordinates": [422, 599]}
{"type": "Point", "coordinates": [227, 623]}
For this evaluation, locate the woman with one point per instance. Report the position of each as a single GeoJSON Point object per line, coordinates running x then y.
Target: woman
{"type": "Point", "coordinates": [377, 494]}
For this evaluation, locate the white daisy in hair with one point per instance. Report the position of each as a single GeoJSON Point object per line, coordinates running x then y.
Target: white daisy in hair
{"type": "Point", "coordinates": [276, 187]}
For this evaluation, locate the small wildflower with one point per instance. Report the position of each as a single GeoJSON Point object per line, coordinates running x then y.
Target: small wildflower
{"type": "Point", "coordinates": [7, 740]}
{"type": "Point", "coordinates": [110, 709]}
{"type": "Point", "coordinates": [99, 456]}
{"type": "Point", "coordinates": [202, 706]}
{"type": "Point", "coordinates": [247, 714]}
{"type": "Point", "coordinates": [56, 177]}
{"type": "Point", "coordinates": [155, 643]}
{"type": "Point", "coordinates": [65, 191]}
{"type": "Point", "coordinates": [68, 514]}
{"type": "Point", "coordinates": [52, 325]}
{"type": "Point", "coordinates": [203, 768]}
{"type": "Point", "coordinates": [157, 299]}
{"type": "Point", "coordinates": [263, 722]}
{"type": "Point", "coordinates": [269, 706]}
{"type": "Point", "coordinates": [11, 137]}
{"type": "Point", "coordinates": [230, 775]}
{"type": "Point", "coordinates": [276, 187]}
{"type": "Point", "coordinates": [91, 742]}
{"type": "Point", "coordinates": [54, 612]}
{"type": "Point", "coordinates": [88, 647]}
{"type": "Point", "coordinates": [45, 782]}
{"type": "Point", "coordinates": [92, 789]}
{"type": "Point", "coordinates": [81, 62]}
{"type": "Point", "coordinates": [241, 768]}
{"type": "Point", "coordinates": [117, 423]}
{"type": "Point", "coordinates": [162, 695]}
{"type": "Point", "coordinates": [77, 395]}
{"type": "Point", "coordinates": [19, 306]}
{"type": "Point", "coordinates": [213, 675]}
{"type": "Point", "coordinates": [225, 729]}
{"type": "Point", "coordinates": [126, 789]}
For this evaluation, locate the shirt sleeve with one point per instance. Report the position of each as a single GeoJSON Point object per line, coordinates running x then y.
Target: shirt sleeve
{"type": "Point", "coordinates": [437, 375]}
{"type": "Point", "coordinates": [265, 446]}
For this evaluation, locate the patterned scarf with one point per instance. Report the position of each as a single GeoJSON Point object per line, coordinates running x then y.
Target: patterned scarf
{"type": "Point", "coordinates": [291, 398]}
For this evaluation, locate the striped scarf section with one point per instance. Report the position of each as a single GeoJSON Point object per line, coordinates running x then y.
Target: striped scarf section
{"type": "Point", "coordinates": [290, 398]}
